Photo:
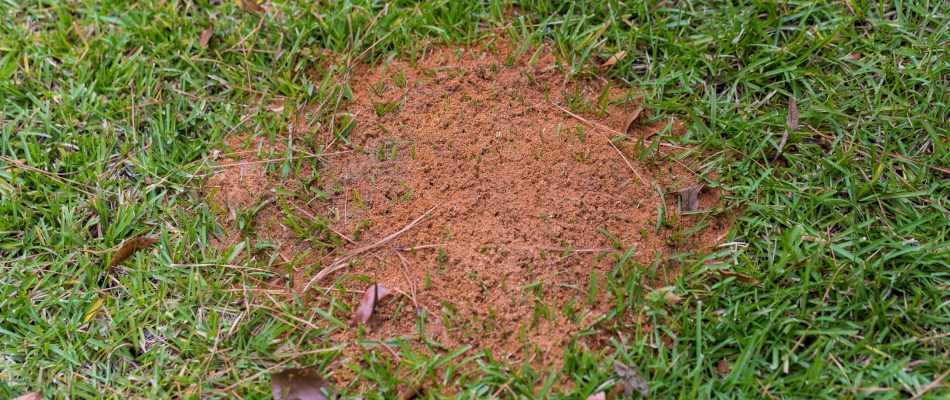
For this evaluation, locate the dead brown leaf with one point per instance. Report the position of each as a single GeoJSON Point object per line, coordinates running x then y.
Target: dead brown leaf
{"type": "Point", "coordinates": [129, 248]}
{"type": "Point", "coordinates": [30, 396]}
{"type": "Point", "coordinates": [205, 36]}
{"type": "Point", "coordinates": [631, 118]}
{"type": "Point", "coordinates": [251, 6]}
{"type": "Point", "coordinates": [371, 297]}
{"type": "Point", "coordinates": [632, 379]}
{"type": "Point", "coordinates": [792, 119]}
{"type": "Point", "coordinates": [723, 368]}
{"type": "Point", "coordinates": [690, 197]}
{"type": "Point", "coordinates": [739, 277]}
{"type": "Point", "coordinates": [597, 396]}
{"type": "Point", "coordinates": [666, 293]}
{"type": "Point", "coordinates": [300, 384]}
{"type": "Point", "coordinates": [613, 59]}
{"type": "Point", "coordinates": [791, 125]}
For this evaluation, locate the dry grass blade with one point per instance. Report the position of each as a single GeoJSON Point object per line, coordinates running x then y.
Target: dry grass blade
{"type": "Point", "coordinates": [931, 385]}
{"type": "Point", "coordinates": [341, 262]}
{"type": "Point", "coordinates": [690, 197]}
{"type": "Point", "coordinates": [613, 59]}
{"type": "Point", "coordinates": [598, 127]}
{"type": "Point", "coordinates": [371, 297]}
{"type": "Point", "coordinates": [205, 36]}
{"type": "Point", "coordinates": [631, 119]}
{"type": "Point", "coordinates": [129, 248]}
{"type": "Point", "coordinates": [597, 396]}
{"type": "Point", "coordinates": [30, 396]}
{"type": "Point", "coordinates": [300, 384]}
{"type": "Point", "coordinates": [412, 286]}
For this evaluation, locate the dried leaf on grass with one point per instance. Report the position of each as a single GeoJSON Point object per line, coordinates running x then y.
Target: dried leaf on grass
{"type": "Point", "coordinates": [371, 297]}
{"type": "Point", "coordinates": [739, 277]}
{"type": "Point", "coordinates": [205, 36]}
{"type": "Point", "coordinates": [613, 59]}
{"type": "Point", "coordinates": [723, 367]}
{"type": "Point", "coordinates": [792, 119]}
{"type": "Point", "coordinates": [300, 384]}
{"type": "Point", "coordinates": [632, 380]}
{"type": "Point", "coordinates": [597, 396]}
{"type": "Point", "coordinates": [666, 293]}
{"type": "Point", "coordinates": [631, 118]}
{"type": "Point", "coordinates": [250, 6]}
{"type": "Point", "coordinates": [30, 396]}
{"type": "Point", "coordinates": [690, 197]}
{"type": "Point", "coordinates": [415, 391]}
{"type": "Point", "coordinates": [129, 248]}
{"type": "Point", "coordinates": [791, 123]}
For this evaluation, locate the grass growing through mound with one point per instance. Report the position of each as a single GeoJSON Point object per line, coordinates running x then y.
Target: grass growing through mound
{"type": "Point", "coordinates": [110, 112]}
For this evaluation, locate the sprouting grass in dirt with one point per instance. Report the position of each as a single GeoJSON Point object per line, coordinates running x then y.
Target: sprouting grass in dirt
{"type": "Point", "coordinates": [109, 115]}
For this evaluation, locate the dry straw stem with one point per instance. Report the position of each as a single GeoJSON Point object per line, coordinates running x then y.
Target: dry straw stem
{"type": "Point", "coordinates": [405, 271]}
{"type": "Point", "coordinates": [600, 127]}
{"type": "Point", "coordinates": [341, 262]}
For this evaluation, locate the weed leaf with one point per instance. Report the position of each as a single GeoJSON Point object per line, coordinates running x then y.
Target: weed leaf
{"type": "Point", "coordinates": [613, 59]}
{"type": "Point", "coordinates": [690, 197]}
{"type": "Point", "coordinates": [371, 297]}
{"type": "Point", "coordinates": [631, 118]}
{"type": "Point", "coordinates": [631, 379]}
{"type": "Point", "coordinates": [300, 384]}
{"type": "Point", "coordinates": [129, 248]}
{"type": "Point", "coordinates": [205, 36]}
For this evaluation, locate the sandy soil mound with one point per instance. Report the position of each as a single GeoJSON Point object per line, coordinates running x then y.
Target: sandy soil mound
{"type": "Point", "coordinates": [516, 194]}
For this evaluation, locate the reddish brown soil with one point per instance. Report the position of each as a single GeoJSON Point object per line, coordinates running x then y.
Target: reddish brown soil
{"type": "Point", "coordinates": [510, 184]}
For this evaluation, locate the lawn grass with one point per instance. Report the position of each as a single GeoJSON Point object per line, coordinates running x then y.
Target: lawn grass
{"type": "Point", "coordinates": [110, 113]}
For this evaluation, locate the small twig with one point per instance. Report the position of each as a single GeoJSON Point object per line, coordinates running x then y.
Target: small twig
{"type": "Point", "coordinates": [413, 248]}
{"type": "Point", "coordinates": [273, 160]}
{"type": "Point", "coordinates": [579, 250]}
{"type": "Point", "coordinates": [412, 286]}
{"type": "Point", "coordinates": [932, 385]}
{"type": "Point", "coordinates": [550, 248]}
{"type": "Point", "coordinates": [340, 234]}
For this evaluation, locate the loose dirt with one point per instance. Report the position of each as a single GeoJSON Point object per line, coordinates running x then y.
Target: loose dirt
{"type": "Point", "coordinates": [517, 196]}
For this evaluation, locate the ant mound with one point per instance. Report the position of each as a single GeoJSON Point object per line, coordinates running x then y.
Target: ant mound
{"type": "Point", "coordinates": [507, 206]}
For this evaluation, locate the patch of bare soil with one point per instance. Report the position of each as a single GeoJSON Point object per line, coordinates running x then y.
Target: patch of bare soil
{"type": "Point", "coordinates": [516, 195]}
